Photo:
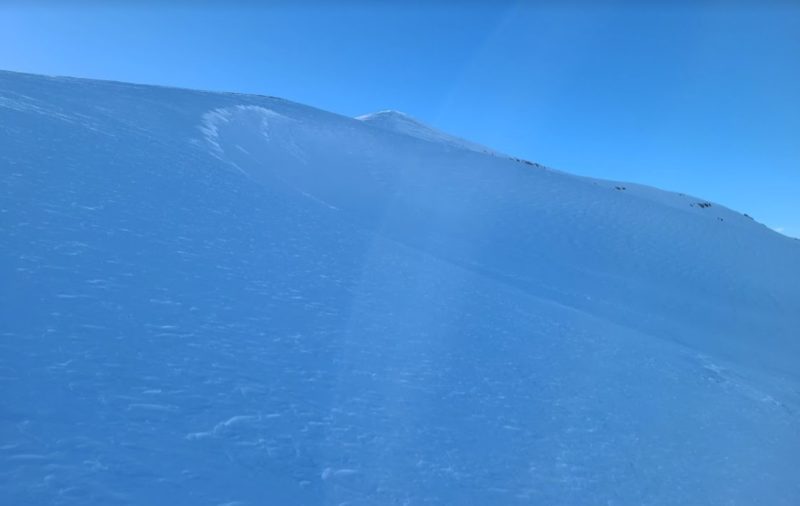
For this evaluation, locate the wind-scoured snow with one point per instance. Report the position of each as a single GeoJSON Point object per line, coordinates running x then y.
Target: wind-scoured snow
{"type": "Point", "coordinates": [229, 299]}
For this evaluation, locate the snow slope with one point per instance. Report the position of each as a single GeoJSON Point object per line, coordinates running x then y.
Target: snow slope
{"type": "Point", "coordinates": [228, 299]}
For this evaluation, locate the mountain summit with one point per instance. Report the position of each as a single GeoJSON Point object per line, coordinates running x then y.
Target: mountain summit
{"type": "Point", "coordinates": [216, 298]}
{"type": "Point", "coordinates": [399, 122]}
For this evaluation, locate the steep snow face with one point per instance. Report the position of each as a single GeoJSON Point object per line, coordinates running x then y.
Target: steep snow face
{"type": "Point", "coordinates": [229, 299]}
{"type": "Point", "coordinates": [396, 121]}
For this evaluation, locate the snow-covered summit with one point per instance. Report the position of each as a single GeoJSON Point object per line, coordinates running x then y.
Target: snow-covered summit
{"type": "Point", "coordinates": [225, 299]}
{"type": "Point", "coordinates": [402, 123]}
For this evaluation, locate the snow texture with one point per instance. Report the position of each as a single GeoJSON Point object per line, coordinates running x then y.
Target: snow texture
{"type": "Point", "coordinates": [223, 299]}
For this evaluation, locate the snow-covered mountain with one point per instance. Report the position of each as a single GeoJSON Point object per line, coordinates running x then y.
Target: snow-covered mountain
{"type": "Point", "coordinates": [228, 299]}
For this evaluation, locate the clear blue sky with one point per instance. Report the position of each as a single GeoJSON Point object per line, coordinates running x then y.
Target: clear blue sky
{"type": "Point", "coordinates": [702, 98]}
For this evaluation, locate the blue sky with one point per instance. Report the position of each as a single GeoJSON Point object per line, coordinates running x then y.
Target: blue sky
{"type": "Point", "coordinates": [702, 98]}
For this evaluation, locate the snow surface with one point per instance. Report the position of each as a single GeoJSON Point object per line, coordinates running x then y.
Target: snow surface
{"type": "Point", "coordinates": [227, 299]}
